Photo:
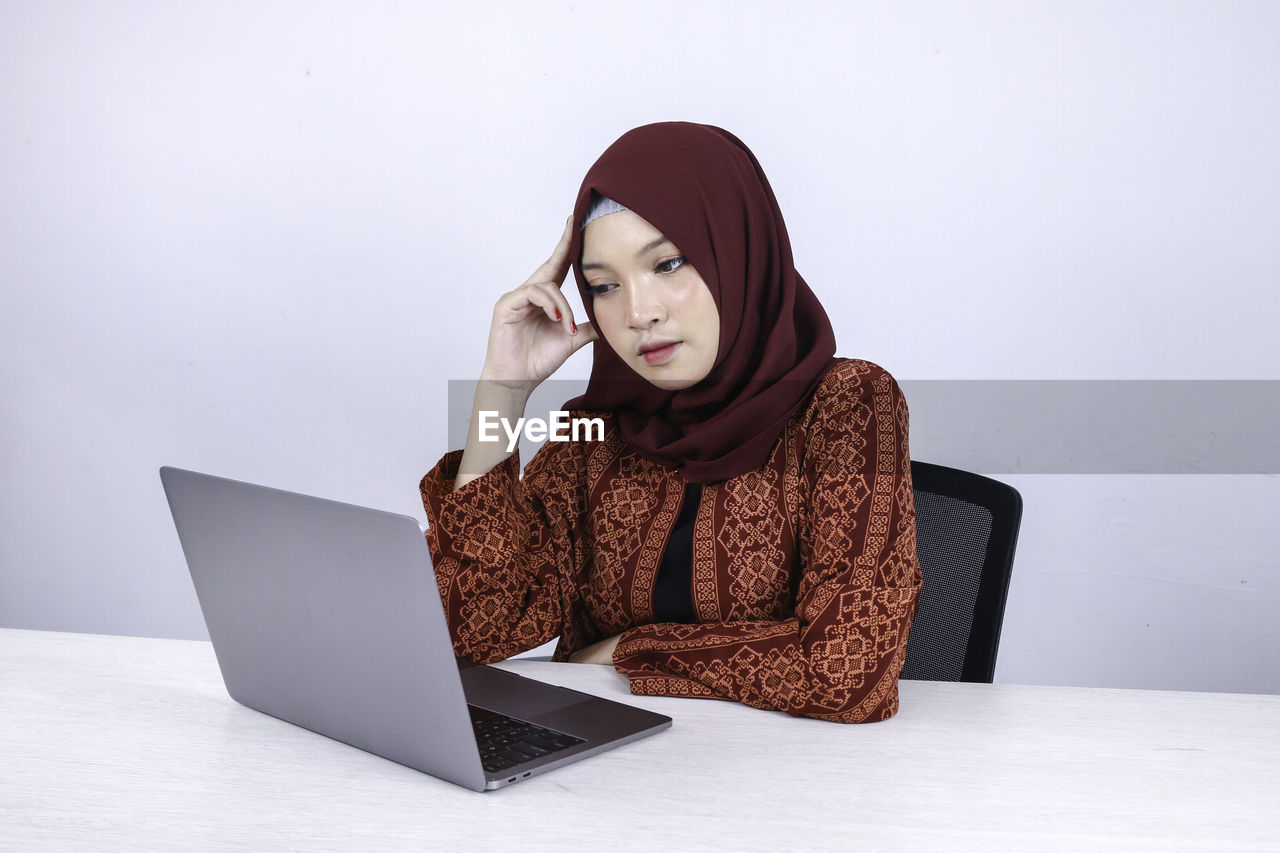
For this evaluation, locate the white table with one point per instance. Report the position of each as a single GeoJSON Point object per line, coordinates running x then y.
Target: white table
{"type": "Point", "coordinates": [133, 744]}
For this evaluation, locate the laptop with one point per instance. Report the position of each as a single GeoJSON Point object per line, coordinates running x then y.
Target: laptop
{"type": "Point", "coordinates": [328, 616]}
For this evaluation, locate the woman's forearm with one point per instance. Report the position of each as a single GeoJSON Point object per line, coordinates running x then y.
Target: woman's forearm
{"type": "Point", "coordinates": [504, 401]}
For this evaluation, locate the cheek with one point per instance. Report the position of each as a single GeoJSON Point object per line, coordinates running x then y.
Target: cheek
{"type": "Point", "coordinates": [690, 295]}
{"type": "Point", "coordinates": [700, 306]}
{"type": "Point", "coordinates": [609, 321]}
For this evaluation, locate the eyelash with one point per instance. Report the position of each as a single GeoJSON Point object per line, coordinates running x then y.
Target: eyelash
{"type": "Point", "coordinates": [678, 260]}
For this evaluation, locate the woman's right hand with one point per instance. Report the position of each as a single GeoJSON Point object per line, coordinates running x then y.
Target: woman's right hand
{"type": "Point", "coordinates": [533, 330]}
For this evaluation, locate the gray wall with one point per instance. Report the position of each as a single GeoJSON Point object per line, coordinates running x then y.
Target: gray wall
{"type": "Point", "coordinates": [258, 239]}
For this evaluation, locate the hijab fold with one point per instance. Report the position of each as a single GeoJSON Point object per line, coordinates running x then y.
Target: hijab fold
{"type": "Point", "coordinates": [704, 190]}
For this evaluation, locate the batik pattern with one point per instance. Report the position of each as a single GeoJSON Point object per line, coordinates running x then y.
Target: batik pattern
{"type": "Point", "coordinates": [805, 577]}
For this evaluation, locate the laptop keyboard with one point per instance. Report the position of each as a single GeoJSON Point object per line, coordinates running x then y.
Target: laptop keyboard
{"type": "Point", "coordinates": [505, 741]}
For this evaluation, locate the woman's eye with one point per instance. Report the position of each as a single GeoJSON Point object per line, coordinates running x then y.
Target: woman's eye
{"type": "Point", "coordinates": [671, 264]}
{"type": "Point", "coordinates": [600, 289]}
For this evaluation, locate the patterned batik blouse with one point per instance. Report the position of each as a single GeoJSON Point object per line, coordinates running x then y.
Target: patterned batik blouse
{"type": "Point", "coordinates": [805, 576]}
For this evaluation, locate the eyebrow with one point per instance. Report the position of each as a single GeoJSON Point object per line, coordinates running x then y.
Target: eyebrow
{"type": "Point", "coordinates": [648, 247]}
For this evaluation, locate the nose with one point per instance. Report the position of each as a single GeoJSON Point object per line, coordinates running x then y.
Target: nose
{"type": "Point", "coordinates": [644, 309]}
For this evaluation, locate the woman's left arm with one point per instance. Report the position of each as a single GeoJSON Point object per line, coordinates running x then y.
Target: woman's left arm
{"type": "Point", "coordinates": [839, 657]}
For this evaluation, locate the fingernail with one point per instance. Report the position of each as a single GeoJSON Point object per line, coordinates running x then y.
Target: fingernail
{"type": "Point", "coordinates": [575, 328]}
{"type": "Point", "coordinates": [557, 313]}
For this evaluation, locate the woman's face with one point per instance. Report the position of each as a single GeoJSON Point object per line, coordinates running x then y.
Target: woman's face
{"type": "Point", "coordinates": [650, 303]}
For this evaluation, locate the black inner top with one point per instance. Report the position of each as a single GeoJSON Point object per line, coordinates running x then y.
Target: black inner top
{"type": "Point", "coordinates": [673, 590]}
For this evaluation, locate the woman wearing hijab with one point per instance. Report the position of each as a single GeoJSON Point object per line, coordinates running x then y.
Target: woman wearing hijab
{"type": "Point", "coordinates": [745, 529]}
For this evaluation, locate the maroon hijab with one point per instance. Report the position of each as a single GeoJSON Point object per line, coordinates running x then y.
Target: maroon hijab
{"type": "Point", "coordinates": [703, 189]}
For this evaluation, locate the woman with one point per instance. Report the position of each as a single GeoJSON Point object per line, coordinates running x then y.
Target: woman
{"type": "Point", "coordinates": [745, 529]}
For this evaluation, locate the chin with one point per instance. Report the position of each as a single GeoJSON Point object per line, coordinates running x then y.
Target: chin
{"type": "Point", "coordinates": [670, 383]}
{"type": "Point", "coordinates": [666, 377]}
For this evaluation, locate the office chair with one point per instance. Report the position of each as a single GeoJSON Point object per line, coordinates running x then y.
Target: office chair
{"type": "Point", "coordinates": [966, 530]}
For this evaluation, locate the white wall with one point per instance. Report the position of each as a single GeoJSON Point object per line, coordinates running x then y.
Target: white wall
{"type": "Point", "coordinates": [258, 239]}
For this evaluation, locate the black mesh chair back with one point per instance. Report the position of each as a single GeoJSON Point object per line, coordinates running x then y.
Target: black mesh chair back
{"type": "Point", "coordinates": [966, 531]}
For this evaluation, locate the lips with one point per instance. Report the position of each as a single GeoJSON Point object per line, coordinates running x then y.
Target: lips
{"type": "Point", "coordinates": [659, 352]}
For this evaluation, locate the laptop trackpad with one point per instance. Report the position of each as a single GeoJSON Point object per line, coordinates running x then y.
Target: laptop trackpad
{"type": "Point", "coordinates": [513, 694]}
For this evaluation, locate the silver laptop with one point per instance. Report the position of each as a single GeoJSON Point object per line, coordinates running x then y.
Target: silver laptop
{"type": "Point", "coordinates": [328, 616]}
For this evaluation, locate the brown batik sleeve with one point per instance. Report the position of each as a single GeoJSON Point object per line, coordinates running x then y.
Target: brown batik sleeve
{"type": "Point", "coordinates": [839, 657]}
{"type": "Point", "coordinates": [505, 550]}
